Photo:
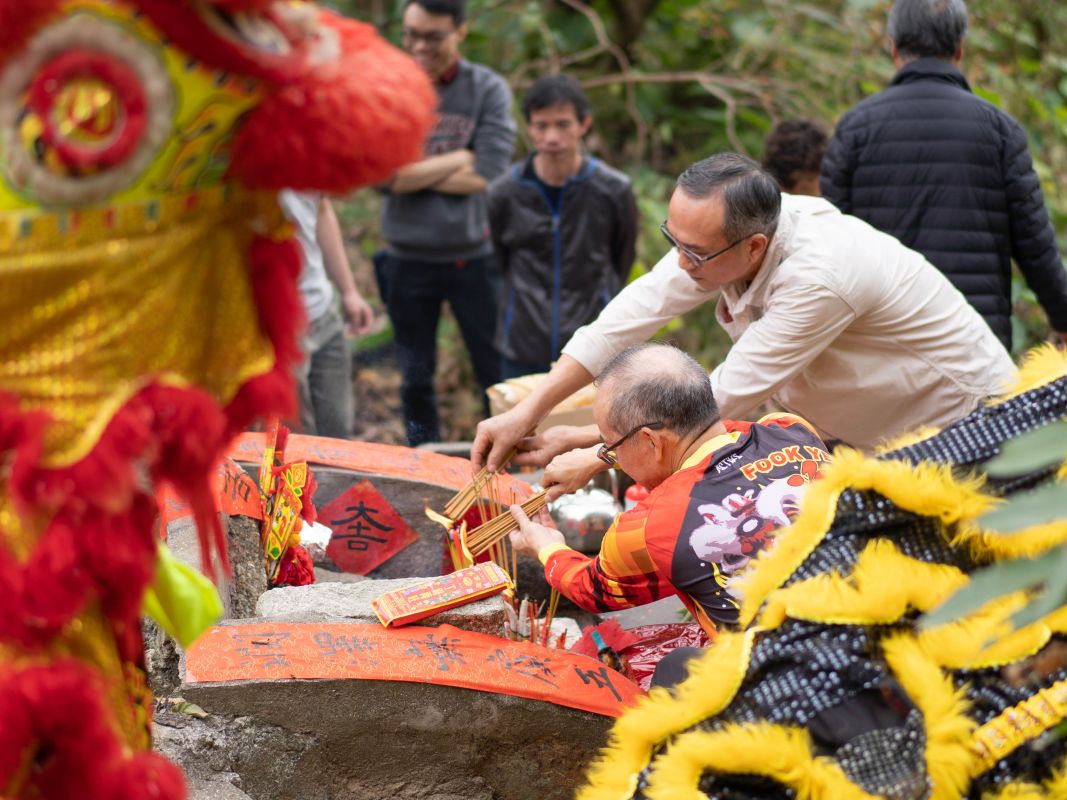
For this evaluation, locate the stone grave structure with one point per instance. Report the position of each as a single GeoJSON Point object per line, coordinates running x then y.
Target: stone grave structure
{"type": "Point", "coordinates": [274, 737]}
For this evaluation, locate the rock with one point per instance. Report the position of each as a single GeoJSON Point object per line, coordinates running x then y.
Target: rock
{"type": "Point", "coordinates": [383, 740]}
{"type": "Point", "coordinates": [408, 497]}
{"type": "Point", "coordinates": [161, 659]}
{"type": "Point", "coordinates": [215, 790]}
{"type": "Point", "coordinates": [239, 593]}
{"type": "Point", "coordinates": [324, 575]}
{"type": "Point", "coordinates": [249, 581]}
{"type": "Point", "coordinates": [351, 602]}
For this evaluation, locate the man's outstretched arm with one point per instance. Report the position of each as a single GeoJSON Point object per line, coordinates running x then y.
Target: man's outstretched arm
{"type": "Point", "coordinates": [497, 435]}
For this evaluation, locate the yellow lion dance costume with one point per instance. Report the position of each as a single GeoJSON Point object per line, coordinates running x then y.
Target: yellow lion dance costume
{"type": "Point", "coordinates": [832, 690]}
{"type": "Point", "coordinates": [149, 306]}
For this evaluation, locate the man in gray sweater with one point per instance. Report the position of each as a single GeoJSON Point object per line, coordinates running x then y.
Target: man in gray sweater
{"type": "Point", "coordinates": [434, 215]}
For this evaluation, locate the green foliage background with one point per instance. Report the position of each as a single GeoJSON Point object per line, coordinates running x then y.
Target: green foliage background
{"type": "Point", "coordinates": [674, 80]}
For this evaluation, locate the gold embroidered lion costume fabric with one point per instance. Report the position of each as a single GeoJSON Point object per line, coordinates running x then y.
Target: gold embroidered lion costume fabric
{"type": "Point", "coordinates": [831, 690]}
{"type": "Point", "coordinates": [149, 306]}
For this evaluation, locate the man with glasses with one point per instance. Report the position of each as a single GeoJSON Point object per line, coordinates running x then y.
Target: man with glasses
{"type": "Point", "coordinates": [435, 218]}
{"type": "Point", "coordinates": [830, 319]}
{"type": "Point", "coordinates": [719, 491]}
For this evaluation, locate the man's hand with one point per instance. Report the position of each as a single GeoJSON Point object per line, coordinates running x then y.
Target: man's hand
{"type": "Point", "coordinates": [571, 471]}
{"type": "Point", "coordinates": [358, 315]}
{"type": "Point", "coordinates": [496, 435]}
{"type": "Point", "coordinates": [540, 449]}
{"type": "Point", "coordinates": [531, 536]}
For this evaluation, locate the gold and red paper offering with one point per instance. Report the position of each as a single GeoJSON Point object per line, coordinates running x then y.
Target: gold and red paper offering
{"type": "Point", "coordinates": [284, 489]}
{"type": "Point", "coordinates": [421, 600]}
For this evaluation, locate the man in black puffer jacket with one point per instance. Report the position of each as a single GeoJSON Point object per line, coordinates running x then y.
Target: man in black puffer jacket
{"type": "Point", "coordinates": [946, 172]}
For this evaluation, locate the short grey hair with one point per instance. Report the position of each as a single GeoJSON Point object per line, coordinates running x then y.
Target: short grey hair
{"type": "Point", "coordinates": [927, 28]}
{"type": "Point", "coordinates": [658, 383]}
{"type": "Point", "coordinates": [751, 197]}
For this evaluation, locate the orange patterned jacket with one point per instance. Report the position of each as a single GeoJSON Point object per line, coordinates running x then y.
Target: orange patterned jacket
{"type": "Point", "coordinates": [700, 527]}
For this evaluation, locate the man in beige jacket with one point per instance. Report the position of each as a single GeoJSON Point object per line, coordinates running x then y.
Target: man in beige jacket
{"type": "Point", "coordinates": [830, 319]}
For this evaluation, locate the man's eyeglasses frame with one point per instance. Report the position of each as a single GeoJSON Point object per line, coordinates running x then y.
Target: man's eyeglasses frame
{"type": "Point", "coordinates": [606, 453]}
{"type": "Point", "coordinates": [697, 260]}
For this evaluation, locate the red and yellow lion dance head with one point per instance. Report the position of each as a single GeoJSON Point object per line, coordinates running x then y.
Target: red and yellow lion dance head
{"type": "Point", "coordinates": [147, 288]}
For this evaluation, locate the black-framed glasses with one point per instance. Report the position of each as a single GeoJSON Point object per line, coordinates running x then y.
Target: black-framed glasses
{"type": "Point", "coordinates": [432, 39]}
{"type": "Point", "coordinates": [606, 453]}
{"type": "Point", "coordinates": [693, 257]}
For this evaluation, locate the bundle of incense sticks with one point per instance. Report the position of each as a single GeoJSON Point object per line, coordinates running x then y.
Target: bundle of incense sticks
{"type": "Point", "coordinates": [461, 503]}
{"type": "Point", "coordinates": [524, 621]}
{"type": "Point", "coordinates": [485, 536]}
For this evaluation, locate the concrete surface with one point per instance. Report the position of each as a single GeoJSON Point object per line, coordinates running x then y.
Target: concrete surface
{"type": "Point", "coordinates": [351, 602]}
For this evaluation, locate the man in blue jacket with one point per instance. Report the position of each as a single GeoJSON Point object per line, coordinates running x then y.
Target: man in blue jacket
{"type": "Point", "coordinates": [564, 226]}
{"type": "Point", "coordinates": [946, 172]}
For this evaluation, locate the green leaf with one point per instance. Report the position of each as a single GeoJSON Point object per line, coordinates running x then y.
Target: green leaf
{"type": "Point", "coordinates": [1055, 591]}
{"type": "Point", "coordinates": [992, 583]}
{"type": "Point", "coordinates": [988, 94]}
{"type": "Point", "coordinates": [180, 706]}
{"type": "Point", "coordinates": [1047, 504]}
{"type": "Point", "coordinates": [180, 600]}
{"type": "Point", "coordinates": [1031, 451]}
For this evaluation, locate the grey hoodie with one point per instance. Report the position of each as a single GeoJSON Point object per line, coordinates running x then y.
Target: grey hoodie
{"type": "Point", "coordinates": [474, 112]}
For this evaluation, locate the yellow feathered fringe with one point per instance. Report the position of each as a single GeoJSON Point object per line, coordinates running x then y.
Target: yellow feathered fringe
{"type": "Point", "coordinates": [949, 759]}
{"type": "Point", "coordinates": [905, 440]}
{"type": "Point", "coordinates": [1055, 788]}
{"type": "Point", "coordinates": [884, 586]}
{"type": "Point", "coordinates": [986, 638]}
{"type": "Point", "coordinates": [778, 752]}
{"type": "Point", "coordinates": [1041, 365]}
{"type": "Point", "coordinates": [927, 489]}
{"type": "Point", "coordinates": [712, 683]}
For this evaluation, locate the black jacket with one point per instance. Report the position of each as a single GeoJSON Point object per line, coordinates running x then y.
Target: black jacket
{"type": "Point", "coordinates": [950, 175]}
{"type": "Point", "coordinates": [560, 266]}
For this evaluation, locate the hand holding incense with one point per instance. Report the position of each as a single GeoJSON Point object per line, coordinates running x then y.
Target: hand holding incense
{"type": "Point", "coordinates": [462, 502]}
{"type": "Point", "coordinates": [485, 536]}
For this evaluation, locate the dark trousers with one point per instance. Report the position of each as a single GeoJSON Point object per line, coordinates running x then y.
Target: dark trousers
{"type": "Point", "coordinates": [413, 292]}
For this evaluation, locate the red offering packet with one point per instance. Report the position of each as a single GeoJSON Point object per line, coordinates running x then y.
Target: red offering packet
{"type": "Point", "coordinates": [421, 600]}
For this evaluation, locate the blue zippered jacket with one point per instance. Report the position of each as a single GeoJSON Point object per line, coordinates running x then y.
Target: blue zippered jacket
{"type": "Point", "coordinates": [560, 265]}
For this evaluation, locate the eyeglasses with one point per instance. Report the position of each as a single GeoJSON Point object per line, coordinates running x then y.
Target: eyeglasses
{"type": "Point", "coordinates": [693, 257]}
{"type": "Point", "coordinates": [432, 39]}
{"type": "Point", "coordinates": [606, 453]}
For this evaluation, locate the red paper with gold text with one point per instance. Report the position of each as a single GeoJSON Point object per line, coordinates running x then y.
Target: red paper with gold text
{"type": "Point", "coordinates": [444, 655]}
{"type": "Point", "coordinates": [434, 595]}
{"type": "Point", "coordinates": [367, 531]}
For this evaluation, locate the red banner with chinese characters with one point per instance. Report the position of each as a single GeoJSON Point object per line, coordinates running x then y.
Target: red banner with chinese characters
{"type": "Point", "coordinates": [367, 531]}
{"type": "Point", "coordinates": [235, 493]}
{"type": "Point", "coordinates": [444, 655]}
{"type": "Point", "coordinates": [377, 459]}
